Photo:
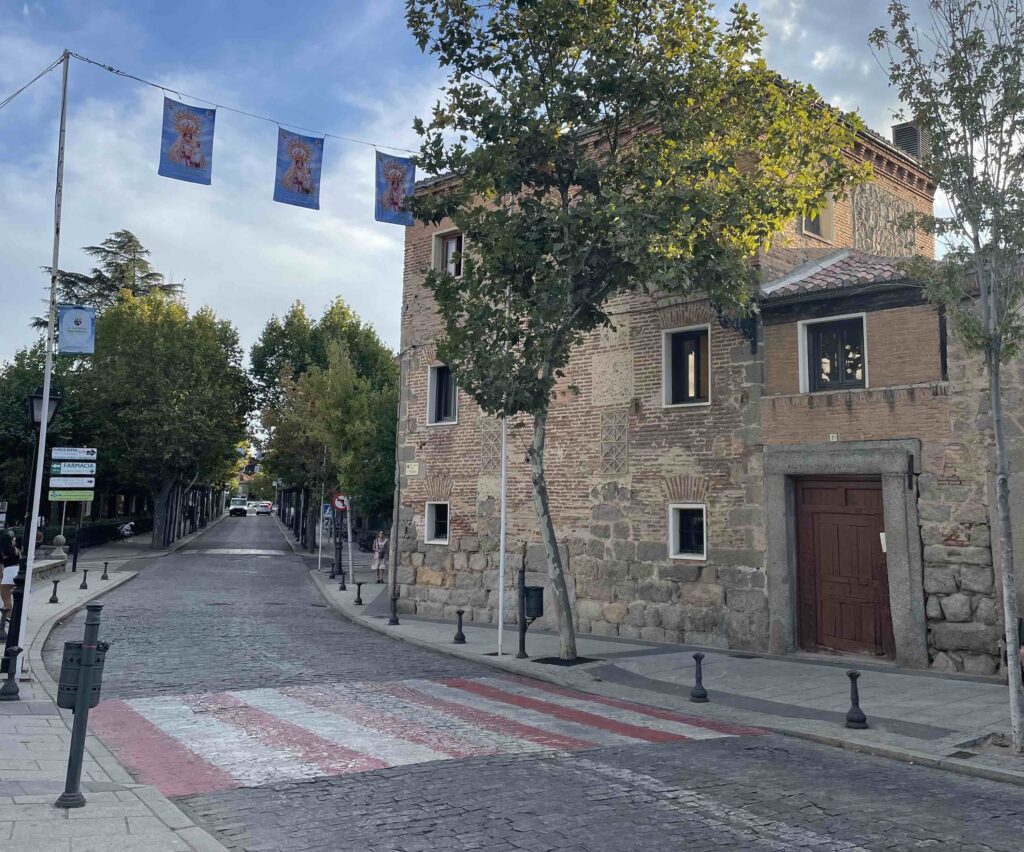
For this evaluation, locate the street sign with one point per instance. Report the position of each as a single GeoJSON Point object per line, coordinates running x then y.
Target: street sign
{"type": "Point", "coordinates": [86, 453]}
{"type": "Point", "coordinates": [73, 468]}
{"type": "Point", "coordinates": [327, 510]}
{"type": "Point", "coordinates": [339, 502]}
{"type": "Point", "coordinates": [71, 496]}
{"type": "Point", "coordinates": [72, 482]}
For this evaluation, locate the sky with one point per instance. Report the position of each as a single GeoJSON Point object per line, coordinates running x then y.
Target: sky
{"type": "Point", "coordinates": [347, 67]}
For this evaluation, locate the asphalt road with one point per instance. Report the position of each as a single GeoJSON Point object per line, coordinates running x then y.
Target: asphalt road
{"type": "Point", "coordinates": [277, 725]}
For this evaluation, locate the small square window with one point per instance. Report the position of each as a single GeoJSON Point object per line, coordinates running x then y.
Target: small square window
{"type": "Point", "coordinates": [451, 254]}
{"type": "Point", "coordinates": [437, 524]}
{"type": "Point", "coordinates": [442, 395]}
{"type": "Point", "coordinates": [687, 531]}
{"type": "Point", "coordinates": [686, 367]}
{"type": "Point", "coordinates": [836, 354]}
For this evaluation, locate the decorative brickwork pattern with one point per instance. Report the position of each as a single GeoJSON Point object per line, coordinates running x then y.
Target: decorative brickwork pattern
{"type": "Point", "coordinates": [490, 446]}
{"type": "Point", "coordinates": [614, 442]}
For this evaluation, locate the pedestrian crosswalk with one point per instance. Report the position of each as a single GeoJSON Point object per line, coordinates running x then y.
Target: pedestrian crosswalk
{"type": "Point", "coordinates": [198, 743]}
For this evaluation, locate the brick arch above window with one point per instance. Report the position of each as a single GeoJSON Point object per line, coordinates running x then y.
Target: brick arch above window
{"type": "Point", "coordinates": [686, 488]}
{"type": "Point", "coordinates": [684, 314]}
{"type": "Point", "coordinates": [438, 487]}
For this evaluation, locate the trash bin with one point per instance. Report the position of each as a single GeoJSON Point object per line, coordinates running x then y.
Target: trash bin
{"type": "Point", "coordinates": [534, 601]}
{"type": "Point", "coordinates": [70, 666]}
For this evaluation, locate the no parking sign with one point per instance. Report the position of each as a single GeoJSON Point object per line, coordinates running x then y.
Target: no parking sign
{"type": "Point", "coordinates": [340, 502]}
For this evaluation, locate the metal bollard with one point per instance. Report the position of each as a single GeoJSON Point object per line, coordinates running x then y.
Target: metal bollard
{"type": "Point", "coordinates": [855, 717]}
{"type": "Point", "coordinates": [394, 611]}
{"type": "Point", "coordinates": [359, 594]}
{"type": "Point", "coordinates": [460, 637]}
{"type": "Point", "coordinates": [53, 597]}
{"type": "Point", "coordinates": [9, 691]}
{"type": "Point", "coordinates": [105, 577]}
{"type": "Point", "coordinates": [341, 586]}
{"type": "Point", "coordinates": [698, 695]}
{"type": "Point", "coordinates": [85, 577]}
{"type": "Point", "coordinates": [72, 796]}
{"type": "Point", "coordinates": [334, 570]}
{"type": "Point", "coordinates": [74, 552]}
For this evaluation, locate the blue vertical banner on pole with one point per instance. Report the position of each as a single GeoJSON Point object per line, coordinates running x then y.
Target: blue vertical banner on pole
{"type": "Point", "coordinates": [76, 329]}
{"type": "Point", "coordinates": [299, 160]}
{"type": "Point", "coordinates": [395, 183]}
{"type": "Point", "coordinates": [186, 142]}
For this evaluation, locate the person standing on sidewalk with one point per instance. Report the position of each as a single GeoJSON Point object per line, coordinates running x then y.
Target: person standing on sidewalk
{"type": "Point", "coordinates": [380, 555]}
{"type": "Point", "coordinates": [9, 559]}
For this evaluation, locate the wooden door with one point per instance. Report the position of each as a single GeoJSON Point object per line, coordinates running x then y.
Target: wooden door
{"type": "Point", "coordinates": [843, 585]}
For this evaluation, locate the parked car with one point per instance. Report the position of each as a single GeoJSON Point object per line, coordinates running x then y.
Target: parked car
{"type": "Point", "coordinates": [264, 508]}
{"type": "Point", "coordinates": [238, 507]}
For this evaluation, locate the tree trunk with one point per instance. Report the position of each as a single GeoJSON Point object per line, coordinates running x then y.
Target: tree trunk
{"type": "Point", "coordinates": [161, 505]}
{"type": "Point", "coordinates": [556, 573]}
{"type": "Point", "coordinates": [1002, 488]}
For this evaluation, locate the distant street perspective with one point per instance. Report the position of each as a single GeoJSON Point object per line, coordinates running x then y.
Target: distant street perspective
{"type": "Point", "coordinates": [564, 426]}
{"type": "Point", "coordinates": [276, 724]}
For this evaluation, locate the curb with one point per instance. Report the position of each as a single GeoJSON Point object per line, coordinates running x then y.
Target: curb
{"type": "Point", "coordinates": [897, 753]}
{"type": "Point", "coordinates": [159, 805]}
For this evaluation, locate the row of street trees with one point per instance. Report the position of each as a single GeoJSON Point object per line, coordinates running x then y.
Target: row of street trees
{"type": "Point", "coordinates": [165, 397]}
{"type": "Point", "coordinates": [328, 391]}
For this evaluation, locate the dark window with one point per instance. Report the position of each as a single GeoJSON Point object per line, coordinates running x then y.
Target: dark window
{"type": "Point", "coordinates": [437, 522]}
{"type": "Point", "coordinates": [451, 254]}
{"type": "Point", "coordinates": [835, 351]}
{"type": "Point", "coordinates": [689, 532]}
{"type": "Point", "coordinates": [442, 396]}
{"type": "Point", "coordinates": [688, 367]}
{"type": "Point", "coordinates": [812, 225]}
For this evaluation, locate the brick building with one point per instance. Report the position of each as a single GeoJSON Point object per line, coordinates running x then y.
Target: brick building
{"type": "Point", "coordinates": [814, 479]}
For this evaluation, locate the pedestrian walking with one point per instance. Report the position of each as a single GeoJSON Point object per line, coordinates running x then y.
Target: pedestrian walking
{"type": "Point", "coordinates": [380, 555]}
{"type": "Point", "coordinates": [10, 556]}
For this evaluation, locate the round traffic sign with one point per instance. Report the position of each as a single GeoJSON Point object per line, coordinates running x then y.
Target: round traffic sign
{"type": "Point", "coordinates": [339, 502]}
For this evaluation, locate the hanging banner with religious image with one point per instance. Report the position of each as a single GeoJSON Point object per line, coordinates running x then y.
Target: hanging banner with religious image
{"type": "Point", "coordinates": [76, 329]}
{"type": "Point", "coordinates": [395, 184]}
{"type": "Point", "coordinates": [299, 159]}
{"type": "Point", "coordinates": [186, 142]}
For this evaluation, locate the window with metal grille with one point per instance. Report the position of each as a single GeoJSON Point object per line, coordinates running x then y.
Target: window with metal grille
{"type": "Point", "coordinates": [687, 367]}
{"type": "Point", "coordinates": [687, 531]}
{"type": "Point", "coordinates": [835, 352]}
{"type": "Point", "coordinates": [437, 523]}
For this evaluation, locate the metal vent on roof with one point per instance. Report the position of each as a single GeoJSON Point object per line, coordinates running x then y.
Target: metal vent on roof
{"type": "Point", "coordinates": [909, 137]}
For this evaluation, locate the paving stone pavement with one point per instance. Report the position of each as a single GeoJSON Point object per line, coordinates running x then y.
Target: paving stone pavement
{"type": "Point", "coordinates": [238, 645]}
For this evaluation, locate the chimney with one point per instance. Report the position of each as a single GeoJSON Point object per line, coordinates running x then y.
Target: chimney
{"type": "Point", "coordinates": [911, 139]}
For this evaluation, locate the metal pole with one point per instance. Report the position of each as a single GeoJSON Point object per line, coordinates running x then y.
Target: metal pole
{"type": "Point", "coordinates": [18, 601]}
{"type": "Point", "coordinates": [396, 506]}
{"type": "Point", "coordinates": [72, 796]}
{"type": "Point", "coordinates": [348, 520]}
{"type": "Point", "coordinates": [501, 535]}
{"type": "Point", "coordinates": [63, 514]}
{"type": "Point", "coordinates": [521, 655]}
{"type": "Point", "coordinates": [48, 366]}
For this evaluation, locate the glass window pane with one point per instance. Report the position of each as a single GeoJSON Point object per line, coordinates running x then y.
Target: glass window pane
{"type": "Point", "coordinates": [690, 532]}
{"type": "Point", "coordinates": [440, 525]}
{"type": "Point", "coordinates": [836, 351]}
{"type": "Point", "coordinates": [688, 365]}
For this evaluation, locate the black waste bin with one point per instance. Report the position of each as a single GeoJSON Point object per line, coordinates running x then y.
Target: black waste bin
{"type": "Point", "coordinates": [70, 666]}
{"type": "Point", "coordinates": [534, 601]}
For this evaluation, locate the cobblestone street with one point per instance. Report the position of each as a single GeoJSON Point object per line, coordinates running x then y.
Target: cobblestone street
{"type": "Point", "coordinates": [278, 725]}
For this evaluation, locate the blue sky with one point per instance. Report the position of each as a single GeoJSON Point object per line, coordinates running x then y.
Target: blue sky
{"type": "Point", "coordinates": [347, 66]}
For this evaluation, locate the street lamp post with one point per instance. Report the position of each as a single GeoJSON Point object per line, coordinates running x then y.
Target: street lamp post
{"type": "Point", "coordinates": [36, 414]}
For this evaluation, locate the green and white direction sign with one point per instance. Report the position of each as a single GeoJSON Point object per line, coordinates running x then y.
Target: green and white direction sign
{"type": "Point", "coordinates": [72, 482]}
{"type": "Point", "coordinates": [78, 453]}
{"type": "Point", "coordinates": [72, 496]}
{"type": "Point", "coordinates": [73, 468]}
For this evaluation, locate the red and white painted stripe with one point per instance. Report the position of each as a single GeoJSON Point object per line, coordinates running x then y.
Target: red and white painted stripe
{"type": "Point", "coordinates": [199, 743]}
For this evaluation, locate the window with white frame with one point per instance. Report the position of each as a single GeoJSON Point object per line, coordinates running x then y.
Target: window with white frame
{"type": "Point", "coordinates": [437, 524]}
{"type": "Point", "coordinates": [686, 366]}
{"type": "Point", "coordinates": [442, 396]}
{"type": "Point", "coordinates": [448, 253]}
{"type": "Point", "coordinates": [687, 531]}
{"type": "Point", "coordinates": [833, 354]}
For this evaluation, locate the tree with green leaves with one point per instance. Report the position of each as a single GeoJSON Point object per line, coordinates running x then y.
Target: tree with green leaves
{"type": "Point", "coordinates": [960, 77]}
{"type": "Point", "coordinates": [596, 149]}
{"type": "Point", "coordinates": [166, 397]}
{"type": "Point", "coordinates": [122, 265]}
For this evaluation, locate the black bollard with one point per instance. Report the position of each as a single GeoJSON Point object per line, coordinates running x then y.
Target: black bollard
{"type": "Point", "coordinates": [855, 717]}
{"type": "Point", "coordinates": [9, 691]}
{"type": "Point", "coordinates": [53, 597]}
{"type": "Point", "coordinates": [698, 695]}
{"type": "Point", "coordinates": [359, 594]}
{"type": "Point", "coordinates": [105, 577]}
{"type": "Point", "coordinates": [334, 571]}
{"type": "Point", "coordinates": [394, 610]}
{"type": "Point", "coordinates": [85, 577]}
{"type": "Point", "coordinates": [74, 552]}
{"type": "Point", "coordinates": [3, 623]}
{"type": "Point", "coordinates": [460, 637]}
{"type": "Point", "coordinates": [341, 586]}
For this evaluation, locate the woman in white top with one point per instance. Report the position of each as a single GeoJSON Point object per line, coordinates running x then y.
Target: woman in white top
{"type": "Point", "coordinates": [380, 555]}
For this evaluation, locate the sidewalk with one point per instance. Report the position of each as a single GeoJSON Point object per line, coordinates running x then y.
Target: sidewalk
{"type": "Point", "coordinates": [917, 717]}
{"type": "Point", "coordinates": [120, 815]}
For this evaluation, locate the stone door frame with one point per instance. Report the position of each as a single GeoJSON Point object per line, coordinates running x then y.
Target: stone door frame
{"type": "Point", "coordinates": [893, 462]}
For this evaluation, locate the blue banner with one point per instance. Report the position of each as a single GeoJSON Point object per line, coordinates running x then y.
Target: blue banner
{"type": "Point", "coordinates": [186, 143]}
{"type": "Point", "coordinates": [299, 159]}
{"type": "Point", "coordinates": [395, 184]}
{"type": "Point", "coordinates": [76, 329]}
